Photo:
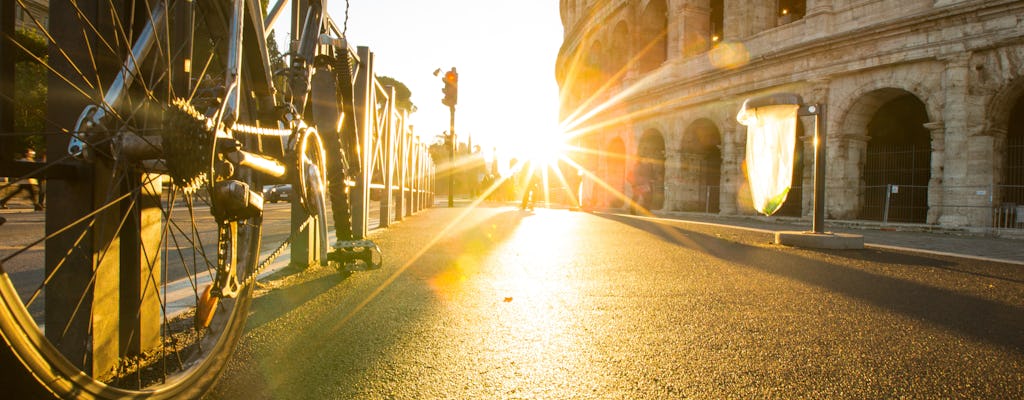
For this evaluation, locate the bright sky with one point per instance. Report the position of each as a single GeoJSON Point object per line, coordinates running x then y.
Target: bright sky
{"type": "Point", "coordinates": [504, 51]}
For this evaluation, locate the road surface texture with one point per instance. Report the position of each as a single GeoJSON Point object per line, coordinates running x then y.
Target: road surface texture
{"type": "Point", "coordinates": [497, 303]}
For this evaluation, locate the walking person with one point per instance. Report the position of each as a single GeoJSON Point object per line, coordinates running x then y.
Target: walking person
{"type": "Point", "coordinates": [29, 185]}
{"type": "Point", "coordinates": [531, 182]}
{"type": "Point", "coordinates": [643, 176]}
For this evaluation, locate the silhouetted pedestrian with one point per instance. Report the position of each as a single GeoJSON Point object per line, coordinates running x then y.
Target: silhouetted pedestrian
{"type": "Point", "coordinates": [28, 184]}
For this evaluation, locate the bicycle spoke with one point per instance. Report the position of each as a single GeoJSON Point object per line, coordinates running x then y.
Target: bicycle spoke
{"type": "Point", "coordinates": [125, 123]}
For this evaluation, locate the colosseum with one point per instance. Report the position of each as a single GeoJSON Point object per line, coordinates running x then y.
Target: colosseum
{"type": "Point", "coordinates": [924, 100]}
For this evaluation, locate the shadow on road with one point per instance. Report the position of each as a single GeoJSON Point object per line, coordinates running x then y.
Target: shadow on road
{"type": "Point", "coordinates": [982, 318]}
{"type": "Point", "coordinates": [280, 300]}
{"type": "Point", "coordinates": [341, 326]}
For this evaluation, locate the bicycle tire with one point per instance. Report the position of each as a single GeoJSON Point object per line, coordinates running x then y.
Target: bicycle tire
{"type": "Point", "coordinates": [34, 362]}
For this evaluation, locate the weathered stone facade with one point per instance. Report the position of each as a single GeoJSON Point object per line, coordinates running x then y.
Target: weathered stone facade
{"type": "Point", "coordinates": [920, 95]}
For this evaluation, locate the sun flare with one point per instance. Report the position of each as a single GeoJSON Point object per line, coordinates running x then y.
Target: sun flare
{"type": "Point", "coordinates": [544, 148]}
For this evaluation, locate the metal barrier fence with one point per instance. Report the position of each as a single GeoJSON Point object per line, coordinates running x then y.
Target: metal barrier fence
{"type": "Point", "coordinates": [892, 203]}
{"type": "Point", "coordinates": [397, 178]}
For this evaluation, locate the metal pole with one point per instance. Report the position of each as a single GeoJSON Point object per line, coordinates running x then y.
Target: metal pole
{"type": "Point", "coordinates": [7, 52]}
{"type": "Point", "coordinates": [451, 159]}
{"type": "Point", "coordinates": [888, 195]}
{"type": "Point", "coordinates": [707, 200]}
{"type": "Point", "coordinates": [820, 133]}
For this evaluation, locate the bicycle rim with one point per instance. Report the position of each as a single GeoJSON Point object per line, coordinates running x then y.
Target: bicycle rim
{"type": "Point", "coordinates": [101, 300]}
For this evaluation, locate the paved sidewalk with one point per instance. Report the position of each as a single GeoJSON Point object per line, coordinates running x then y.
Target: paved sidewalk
{"type": "Point", "coordinates": [912, 237]}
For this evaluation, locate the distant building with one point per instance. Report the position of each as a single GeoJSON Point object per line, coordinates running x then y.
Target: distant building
{"type": "Point", "coordinates": [34, 10]}
{"type": "Point", "coordinates": [924, 97]}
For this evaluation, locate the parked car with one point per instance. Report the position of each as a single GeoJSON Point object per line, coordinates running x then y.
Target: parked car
{"type": "Point", "coordinates": [275, 193]}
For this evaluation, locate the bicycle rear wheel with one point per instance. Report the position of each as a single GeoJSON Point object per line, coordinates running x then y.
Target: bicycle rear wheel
{"type": "Point", "coordinates": [108, 294]}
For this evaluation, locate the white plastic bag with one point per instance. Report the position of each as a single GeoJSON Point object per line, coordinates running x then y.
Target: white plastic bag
{"type": "Point", "coordinates": [771, 137]}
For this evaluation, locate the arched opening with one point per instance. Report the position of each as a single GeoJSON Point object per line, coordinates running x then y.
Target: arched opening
{"type": "Point", "coordinates": [651, 154]}
{"type": "Point", "coordinates": [587, 157]}
{"type": "Point", "coordinates": [793, 206]}
{"type": "Point", "coordinates": [897, 166]}
{"type": "Point", "coordinates": [653, 36]}
{"type": "Point", "coordinates": [620, 52]}
{"type": "Point", "coordinates": [595, 69]}
{"type": "Point", "coordinates": [1013, 164]}
{"type": "Point", "coordinates": [791, 10]}
{"type": "Point", "coordinates": [701, 167]}
{"type": "Point", "coordinates": [717, 21]}
{"type": "Point", "coordinates": [615, 160]}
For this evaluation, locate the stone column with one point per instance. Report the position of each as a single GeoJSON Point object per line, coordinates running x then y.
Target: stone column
{"type": "Point", "coordinates": [807, 175]}
{"type": "Point", "coordinates": [956, 156]}
{"type": "Point", "coordinates": [935, 205]}
{"type": "Point", "coordinates": [676, 26]}
{"type": "Point", "coordinates": [845, 184]}
{"type": "Point", "coordinates": [819, 6]}
{"type": "Point", "coordinates": [733, 180]}
{"type": "Point", "coordinates": [747, 17]}
{"type": "Point", "coordinates": [673, 187]}
{"type": "Point", "coordinates": [695, 28]}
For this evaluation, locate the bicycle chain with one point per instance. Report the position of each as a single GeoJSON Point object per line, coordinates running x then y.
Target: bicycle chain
{"type": "Point", "coordinates": [274, 255]}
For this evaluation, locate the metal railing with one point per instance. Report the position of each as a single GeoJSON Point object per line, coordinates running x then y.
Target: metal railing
{"type": "Point", "coordinates": [978, 206]}
{"type": "Point", "coordinates": [397, 178]}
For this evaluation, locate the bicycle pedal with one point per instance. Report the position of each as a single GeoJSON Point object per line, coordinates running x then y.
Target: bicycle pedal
{"type": "Point", "coordinates": [356, 255]}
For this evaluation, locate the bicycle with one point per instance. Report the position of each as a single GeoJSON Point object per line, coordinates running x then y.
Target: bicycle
{"type": "Point", "coordinates": [178, 156]}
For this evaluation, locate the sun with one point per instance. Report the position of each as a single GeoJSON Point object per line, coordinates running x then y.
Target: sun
{"type": "Point", "coordinates": [543, 148]}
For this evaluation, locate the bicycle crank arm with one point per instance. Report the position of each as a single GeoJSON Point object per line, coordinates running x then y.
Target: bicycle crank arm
{"type": "Point", "coordinates": [264, 165]}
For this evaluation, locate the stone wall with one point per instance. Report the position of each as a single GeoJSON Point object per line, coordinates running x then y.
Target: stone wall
{"type": "Point", "coordinates": [962, 60]}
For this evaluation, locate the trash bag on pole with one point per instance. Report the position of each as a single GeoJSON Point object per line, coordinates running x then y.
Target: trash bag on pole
{"type": "Point", "coordinates": [771, 137]}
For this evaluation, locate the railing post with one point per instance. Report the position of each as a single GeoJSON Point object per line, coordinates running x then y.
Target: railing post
{"type": "Point", "coordinates": [387, 200]}
{"type": "Point", "coordinates": [407, 181]}
{"type": "Point", "coordinates": [415, 184]}
{"type": "Point", "coordinates": [885, 211]}
{"type": "Point", "coordinates": [421, 183]}
{"type": "Point", "coordinates": [305, 248]}
{"type": "Point", "coordinates": [400, 147]}
{"type": "Point", "coordinates": [360, 194]}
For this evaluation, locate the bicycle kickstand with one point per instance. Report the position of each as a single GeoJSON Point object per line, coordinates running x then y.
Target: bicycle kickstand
{"type": "Point", "coordinates": [356, 255]}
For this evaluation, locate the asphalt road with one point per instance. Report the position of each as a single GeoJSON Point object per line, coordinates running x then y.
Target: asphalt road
{"type": "Point", "coordinates": [495, 303]}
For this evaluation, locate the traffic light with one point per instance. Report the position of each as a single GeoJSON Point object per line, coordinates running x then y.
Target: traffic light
{"type": "Point", "coordinates": [451, 88]}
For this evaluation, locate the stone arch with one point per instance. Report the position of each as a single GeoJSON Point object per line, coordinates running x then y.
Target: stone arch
{"type": "Point", "coordinates": [652, 36]}
{"type": "Point", "coordinates": [701, 166]}
{"type": "Point", "coordinates": [1005, 122]}
{"type": "Point", "coordinates": [847, 114]}
{"type": "Point", "coordinates": [651, 151]}
{"type": "Point", "coordinates": [851, 104]}
{"type": "Point", "coordinates": [615, 171]}
{"type": "Point", "coordinates": [894, 156]}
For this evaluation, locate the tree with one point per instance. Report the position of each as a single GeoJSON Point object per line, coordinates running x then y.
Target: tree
{"type": "Point", "coordinates": [403, 96]}
{"type": "Point", "coordinates": [30, 90]}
